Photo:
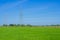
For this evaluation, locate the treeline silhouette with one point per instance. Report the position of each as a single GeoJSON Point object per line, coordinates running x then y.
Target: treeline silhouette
{"type": "Point", "coordinates": [22, 25]}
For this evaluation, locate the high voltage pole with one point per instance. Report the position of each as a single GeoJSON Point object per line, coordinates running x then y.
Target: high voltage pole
{"type": "Point", "coordinates": [21, 14]}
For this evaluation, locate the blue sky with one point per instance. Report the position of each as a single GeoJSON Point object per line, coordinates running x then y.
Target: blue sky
{"type": "Point", "coordinates": [35, 12]}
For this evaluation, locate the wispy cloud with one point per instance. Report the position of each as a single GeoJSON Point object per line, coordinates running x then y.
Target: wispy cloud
{"type": "Point", "coordinates": [35, 10]}
{"type": "Point", "coordinates": [13, 4]}
{"type": "Point", "coordinates": [9, 5]}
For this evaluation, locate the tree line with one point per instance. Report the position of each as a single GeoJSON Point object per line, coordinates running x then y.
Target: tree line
{"type": "Point", "coordinates": [22, 25]}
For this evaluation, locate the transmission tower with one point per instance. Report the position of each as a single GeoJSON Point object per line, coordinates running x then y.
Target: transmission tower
{"type": "Point", "coordinates": [21, 14]}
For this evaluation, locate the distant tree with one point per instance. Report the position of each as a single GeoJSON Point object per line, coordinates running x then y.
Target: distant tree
{"type": "Point", "coordinates": [29, 25]}
{"type": "Point", "coordinates": [52, 25]}
{"type": "Point", "coordinates": [5, 25]}
{"type": "Point", "coordinates": [22, 25]}
{"type": "Point", "coordinates": [43, 25]}
{"type": "Point", "coordinates": [57, 25]}
{"type": "Point", "coordinates": [18, 25]}
{"type": "Point", "coordinates": [12, 25]}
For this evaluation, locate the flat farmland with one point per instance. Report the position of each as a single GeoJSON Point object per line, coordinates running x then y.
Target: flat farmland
{"type": "Point", "coordinates": [29, 33]}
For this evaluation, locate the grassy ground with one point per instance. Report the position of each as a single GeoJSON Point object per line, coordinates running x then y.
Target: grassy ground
{"type": "Point", "coordinates": [29, 33]}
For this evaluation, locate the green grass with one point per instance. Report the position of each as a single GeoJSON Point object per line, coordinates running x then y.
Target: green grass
{"type": "Point", "coordinates": [29, 33]}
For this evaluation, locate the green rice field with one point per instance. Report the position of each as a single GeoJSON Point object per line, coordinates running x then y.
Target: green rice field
{"type": "Point", "coordinates": [29, 33]}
